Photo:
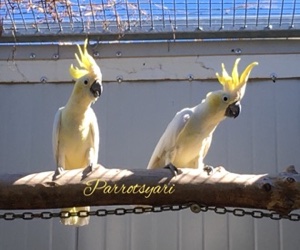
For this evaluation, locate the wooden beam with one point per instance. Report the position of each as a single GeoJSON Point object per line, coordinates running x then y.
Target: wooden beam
{"type": "Point", "coordinates": [280, 193]}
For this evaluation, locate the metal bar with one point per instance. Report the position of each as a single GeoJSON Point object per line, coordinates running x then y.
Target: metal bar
{"type": "Point", "coordinates": [186, 14]}
{"type": "Point", "coordinates": [70, 14]}
{"type": "Point", "coordinates": [128, 18]}
{"type": "Point", "coordinates": [281, 13]}
{"type": "Point", "coordinates": [92, 11]}
{"type": "Point", "coordinates": [151, 15]}
{"type": "Point", "coordinates": [163, 13]}
{"type": "Point", "coordinates": [140, 16]}
{"type": "Point", "coordinates": [271, 47]}
{"type": "Point", "coordinates": [22, 16]}
{"type": "Point", "coordinates": [198, 14]}
{"type": "Point", "coordinates": [80, 15]}
{"type": "Point", "coordinates": [44, 6]}
{"type": "Point", "coordinates": [257, 12]}
{"type": "Point", "coordinates": [210, 13]}
{"type": "Point", "coordinates": [233, 14]}
{"type": "Point", "coordinates": [246, 14]}
{"type": "Point", "coordinates": [163, 35]}
{"type": "Point", "coordinates": [175, 21]}
{"type": "Point", "coordinates": [57, 17]}
{"type": "Point", "coordinates": [117, 17]}
{"type": "Point", "coordinates": [104, 15]}
{"type": "Point", "coordinates": [269, 15]}
{"type": "Point", "coordinates": [222, 14]}
{"type": "Point", "coordinates": [34, 18]}
{"type": "Point", "coordinates": [293, 15]}
{"type": "Point", "coordinates": [10, 16]}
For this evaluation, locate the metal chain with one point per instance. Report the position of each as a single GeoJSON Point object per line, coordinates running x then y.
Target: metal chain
{"type": "Point", "coordinates": [196, 208]}
{"type": "Point", "coordinates": [257, 214]}
{"type": "Point", "coordinates": [100, 212]}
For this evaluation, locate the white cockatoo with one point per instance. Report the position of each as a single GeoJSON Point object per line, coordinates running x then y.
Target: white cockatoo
{"type": "Point", "coordinates": [187, 138]}
{"type": "Point", "coordinates": [75, 129]}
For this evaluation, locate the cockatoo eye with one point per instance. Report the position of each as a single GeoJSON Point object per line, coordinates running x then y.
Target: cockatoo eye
{"type": "Point", "coordinates": [225, 98]}
{"type": "Point", "coordinates": [86, 81]}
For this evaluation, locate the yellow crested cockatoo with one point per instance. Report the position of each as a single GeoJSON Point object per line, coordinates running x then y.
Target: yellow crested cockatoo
{"type": "Point", "coordinates": [75, 135]}
{"type": "Point", "coordinates": [187, 138]}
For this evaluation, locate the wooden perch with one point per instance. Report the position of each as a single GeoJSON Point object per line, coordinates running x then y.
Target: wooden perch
{"type": "Point", "coordinates": [280, 193]}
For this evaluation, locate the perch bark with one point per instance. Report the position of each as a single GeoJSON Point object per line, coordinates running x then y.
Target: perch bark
{"type": "Point", "coordinates": [280, 193]}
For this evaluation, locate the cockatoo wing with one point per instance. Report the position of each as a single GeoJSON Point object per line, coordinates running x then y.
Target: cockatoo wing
{"type": "Point", "coordinates": [198, 161]}
{"type": "Point", "coordinates": [95, 136]}
{"type": "Point", "coordinates": [55, 134]}
{"type": "Point", "coordinates": [167, 142]}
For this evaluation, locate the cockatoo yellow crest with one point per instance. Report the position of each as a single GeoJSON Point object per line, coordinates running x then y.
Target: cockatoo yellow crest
{"type": "Point", "coordinates": [86, 62]}
{"type": "Point", "coordinates": [235, 84]}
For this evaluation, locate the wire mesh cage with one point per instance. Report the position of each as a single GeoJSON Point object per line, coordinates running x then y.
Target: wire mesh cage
{"type": "Point", "coordinates": [30, 20]}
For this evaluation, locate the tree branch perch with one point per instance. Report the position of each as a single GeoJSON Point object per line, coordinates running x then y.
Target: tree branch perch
{"type": "Point", "coordinates": [280, 193]}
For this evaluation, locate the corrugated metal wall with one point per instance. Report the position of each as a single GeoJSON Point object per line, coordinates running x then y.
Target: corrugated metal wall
{"type": "Point", "coordinates": [132, 115]}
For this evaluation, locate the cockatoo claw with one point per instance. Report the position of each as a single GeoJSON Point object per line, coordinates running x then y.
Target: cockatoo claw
{"type": "Point", "coordinates": [209, 169]}
{"type": "Point", "coordinates": [172, 168]}
{"type": "Point", "coordinates": [58, 172]}
{"type": "Point", "coordinates": [87, 171]}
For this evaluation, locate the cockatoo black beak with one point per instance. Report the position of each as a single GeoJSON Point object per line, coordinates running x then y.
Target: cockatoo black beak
{"type": "Point", "coordinates": [96, 88]}
{"type": "Point", "coordinates": [233, 110]}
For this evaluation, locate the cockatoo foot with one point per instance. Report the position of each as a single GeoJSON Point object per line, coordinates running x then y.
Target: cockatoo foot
{"type": "Point", "coordinates": [209, 169]}
{"type": "Point", "coordinates": [58, 172]}
{"type": "Point", "coordinates": [87, 171]}
{"type": "Point", "coordinates": [173, 169]}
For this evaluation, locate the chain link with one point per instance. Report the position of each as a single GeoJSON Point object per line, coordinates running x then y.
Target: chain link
{"type": "Point", "coordinates": [196, 208]}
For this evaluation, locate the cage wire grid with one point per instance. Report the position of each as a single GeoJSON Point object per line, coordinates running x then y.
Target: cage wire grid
{"type": "Point", "coordinates": [54, 20]}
